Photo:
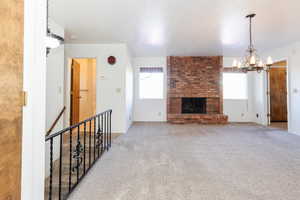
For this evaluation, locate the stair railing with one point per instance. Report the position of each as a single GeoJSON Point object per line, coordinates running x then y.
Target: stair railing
{"type": "Point", "coordinates": [73, 151]}
{"type": "Point", "coordinates": [56, 121]}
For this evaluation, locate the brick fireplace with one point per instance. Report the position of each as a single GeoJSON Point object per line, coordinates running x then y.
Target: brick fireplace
{"type": "Point", "coordinates": [195, 93]}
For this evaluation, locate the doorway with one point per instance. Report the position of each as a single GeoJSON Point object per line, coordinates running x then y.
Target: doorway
{"type": "Point", "coordinates": [83, 89]}
{"type": "Point", "coordinates": [278, 95]}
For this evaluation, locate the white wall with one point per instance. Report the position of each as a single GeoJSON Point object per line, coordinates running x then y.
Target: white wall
{"type": "Point", "coordinates": [54, 93]}
{"type": "Point", "coordinates": [239, 110]}
{"type": "Point", "coordinates": [156, 110]}
{"type": "Point", "coordinates": [34, 126]}
{"type": "Point", "coordinates": [111, 79]}
{"type": "Point", "coordinates": [149, 109]}
{"type": "Point", "coordinates": [129, 92]}
{"type": "Point", "coordinates": [259, 112]}
{"type": "Point", "coordinates": [55, 88]}
{"type": "Point", "coordinates": [291, 53]}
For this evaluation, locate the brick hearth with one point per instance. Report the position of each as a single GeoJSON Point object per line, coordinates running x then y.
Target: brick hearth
{"type": "Point", "coordinates": [195, 77]}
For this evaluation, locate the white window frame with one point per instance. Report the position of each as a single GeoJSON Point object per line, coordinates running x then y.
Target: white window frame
{"type": "Point", "coordinates": [162, 84]}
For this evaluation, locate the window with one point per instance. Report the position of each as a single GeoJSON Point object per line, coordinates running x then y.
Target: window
{"type": "Point", "coordinates": [235, 86]}
{"type": "Point", "coordinates": [151, 83]}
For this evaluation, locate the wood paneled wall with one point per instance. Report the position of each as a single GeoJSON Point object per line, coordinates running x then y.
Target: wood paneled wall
{"type": "Point", "coordinates": [11, 70]}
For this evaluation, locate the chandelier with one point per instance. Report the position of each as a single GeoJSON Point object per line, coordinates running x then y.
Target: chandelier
{"type": "Point", "coordinates": [252, 61]}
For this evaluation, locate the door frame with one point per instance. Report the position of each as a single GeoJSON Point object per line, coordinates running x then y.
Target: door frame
{"type": "Point", "coordinates": [267, 93]}
{"type": "Point", "coordinates": [34, 113]}
{"type": "Point", "coordinates": [68, 80]}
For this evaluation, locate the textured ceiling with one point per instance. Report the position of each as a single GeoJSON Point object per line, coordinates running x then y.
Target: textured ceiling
{"type": "Point", "coordinates": [179, 27]}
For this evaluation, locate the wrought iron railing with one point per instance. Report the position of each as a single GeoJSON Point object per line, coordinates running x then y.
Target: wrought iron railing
{"type": "Point", "coordinates": [73, 151]}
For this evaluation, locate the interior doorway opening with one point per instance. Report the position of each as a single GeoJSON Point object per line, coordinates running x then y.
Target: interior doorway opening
{"type": "Point", "coordinates": [278, 95]}
{"type": "Point", "coordinates": [83, 89]}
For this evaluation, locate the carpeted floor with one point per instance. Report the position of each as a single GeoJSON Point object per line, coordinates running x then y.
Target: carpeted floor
{"type": "Point", "coordinates": [159, 161]}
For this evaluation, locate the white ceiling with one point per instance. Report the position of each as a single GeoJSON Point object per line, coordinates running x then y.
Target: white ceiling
{"type": "Point", "coordinates": [179, 27]}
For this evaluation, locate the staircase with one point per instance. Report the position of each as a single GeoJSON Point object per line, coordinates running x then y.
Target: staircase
{"type": "Point", "coordinates": [73, 152]}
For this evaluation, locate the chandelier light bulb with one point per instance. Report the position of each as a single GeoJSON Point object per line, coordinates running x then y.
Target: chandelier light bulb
{"type": "Point", "coordinates": [239, 65]}
{"type": "Point", "coordinates": [269, 61]}
{"type": "Point", "coordinates": [235, 63]}
{"type": "Point", "coordinates": [252, 60]}
{"type": "Point", "coordinates": [260, 64]}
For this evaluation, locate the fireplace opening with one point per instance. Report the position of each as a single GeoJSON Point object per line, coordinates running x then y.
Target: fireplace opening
{"type": "Point", "coordinates": [193, 106]}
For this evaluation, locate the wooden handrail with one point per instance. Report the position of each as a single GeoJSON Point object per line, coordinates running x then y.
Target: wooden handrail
{"type": "Point", "coordinates": [56, 120]}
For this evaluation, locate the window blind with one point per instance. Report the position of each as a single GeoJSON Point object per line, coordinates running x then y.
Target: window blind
{"type": "Point", "coordinates": [151, 69]}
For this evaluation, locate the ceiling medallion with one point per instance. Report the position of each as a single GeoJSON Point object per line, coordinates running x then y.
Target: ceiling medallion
{"type": "Point", "coordinates": [252, 61]}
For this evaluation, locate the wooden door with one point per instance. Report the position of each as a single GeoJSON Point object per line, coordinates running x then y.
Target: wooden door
{"type": "Point", "coordinates": [87, 87]}
{"type": "Point", "coordinates": [75, 92]}
{"type": "Point", "coordinates": [11, 84]}
{"type": "Point", "coordinates": [278, 95]}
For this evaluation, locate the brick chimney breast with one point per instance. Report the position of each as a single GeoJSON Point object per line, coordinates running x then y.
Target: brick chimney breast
{"type": "Point", "coordinates": [195, 77]}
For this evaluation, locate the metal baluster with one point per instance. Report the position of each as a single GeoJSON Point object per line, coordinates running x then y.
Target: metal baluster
{"type": "Point", "coordinates": [90, 143]}
{"type": "Point", "coordinates": [60, 165]}
{"type": "Point", "coordinates": [94, 139]}
{"type": "Point", "coordinates": [84, 141]}
{"type": "Point", "coordinates": [51, 168]}
{"type": "Point", "coordinates": [78, 142]}
{"type": "Point", "coordinates": [108, 137]}
{"type": "Point", "coordinates": [105, 129]}
{"type": "Point", "coordinates": [104, 132]}
{"type": "Point", "coordinates": [70, 164]}
{"type": "Point", "coordinates": [110, 128]}
{"type": "Point", "coordinates": [107, 115]}
{"type": "Point", "coordinates": [99, 135]}
{"type": "Point", "coordinates": [102, 135]}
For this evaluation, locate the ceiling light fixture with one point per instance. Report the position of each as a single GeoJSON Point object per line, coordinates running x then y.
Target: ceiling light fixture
{"type": "Point", "coordinates": [52, 40]}
{"type": "Point", "coordinates": [251, 61]}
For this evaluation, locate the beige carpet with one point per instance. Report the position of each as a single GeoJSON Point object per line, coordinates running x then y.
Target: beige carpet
{"type": "Point", "coordinates": [158, 161]}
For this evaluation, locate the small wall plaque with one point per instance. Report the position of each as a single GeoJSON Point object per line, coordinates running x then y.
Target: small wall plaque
{"type": "Point", "coordinates": [111, 60]}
